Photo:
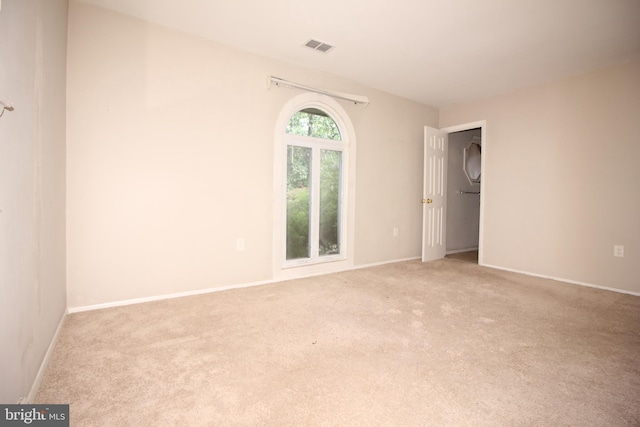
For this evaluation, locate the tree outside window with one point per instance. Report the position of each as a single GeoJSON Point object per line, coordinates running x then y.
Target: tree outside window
{"type": "Point", "coordinates": [314, 185]}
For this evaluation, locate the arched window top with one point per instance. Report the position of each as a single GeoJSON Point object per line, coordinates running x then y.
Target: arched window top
{"type": "Point", "coordinates": [315, 123]}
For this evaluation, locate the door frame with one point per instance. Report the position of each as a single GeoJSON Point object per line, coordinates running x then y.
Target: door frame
{"type": "Point", "coordinates": [482, 124]}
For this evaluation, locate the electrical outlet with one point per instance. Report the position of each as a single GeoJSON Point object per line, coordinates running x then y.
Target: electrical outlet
{"type": "Point", "coordinates": [395, 231]}
{"type": "Point", "coordinates": [618, 251]}
{"type": "Point", "coordinates": [240, 245]}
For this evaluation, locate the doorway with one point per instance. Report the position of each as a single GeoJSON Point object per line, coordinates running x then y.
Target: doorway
{"type": "Point", "coordinates": [436, 188]}
{"type": "Point", "coordinates": [464, 175]}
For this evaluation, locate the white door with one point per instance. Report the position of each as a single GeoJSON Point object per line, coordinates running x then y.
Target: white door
{"type": "Point", "coordinates": [434, 194]}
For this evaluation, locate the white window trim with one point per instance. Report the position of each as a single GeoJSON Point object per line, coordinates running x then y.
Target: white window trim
{"type": "Point", "coordinates": [317, 144]}
{"type": "Point", "coordinates": [283, 269]}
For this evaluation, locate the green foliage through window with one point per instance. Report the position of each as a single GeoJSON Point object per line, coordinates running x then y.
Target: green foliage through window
{"type": "Point", "coordinates": [330, 167]}
{"type": "Point", "coordinates": [300, 161]}
{"type": "Point", "coordinates": [298, 170]}
{"type": "Point", "coordinates": [315, 123]}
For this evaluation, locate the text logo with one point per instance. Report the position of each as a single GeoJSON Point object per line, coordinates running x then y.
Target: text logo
{"type": "Point", "coordinates": [34, 415]}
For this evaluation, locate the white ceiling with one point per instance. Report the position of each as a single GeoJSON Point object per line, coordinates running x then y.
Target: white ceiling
{"type": "Point", "coordinates": [438, 52]}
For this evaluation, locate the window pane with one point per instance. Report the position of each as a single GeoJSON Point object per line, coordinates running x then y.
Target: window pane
{"type": "Point", "coordinates": [315, 123]}
{"type": "Point", "coordinates": [298, 183]}
{"type": "Point", "coordinates": [330, 167]}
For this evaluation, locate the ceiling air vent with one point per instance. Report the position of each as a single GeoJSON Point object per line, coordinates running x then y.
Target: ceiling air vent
{"type": "Point", "coordinates": [318, 45]}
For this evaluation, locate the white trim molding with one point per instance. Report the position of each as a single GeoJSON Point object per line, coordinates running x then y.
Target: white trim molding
{"type": "Point", "coordinates": [35, 387]}
{"type": "Point", "coordinates": [340, 116]}
{"type": "Point", "coordinates": [559, 279]}
{"type": "Point", "coordinates": [482, 124]}
{"type": "Point", "coordinates": [309, 274]}
{"type": "Point", "coordinates": [123, 303]}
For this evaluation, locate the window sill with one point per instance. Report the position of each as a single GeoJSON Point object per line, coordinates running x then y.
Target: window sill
{"type": "Point", "coordinates": [304, 268]}
{"type": "Point", "coordinates": [305, 262]}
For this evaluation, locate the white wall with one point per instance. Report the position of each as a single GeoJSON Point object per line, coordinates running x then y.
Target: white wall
{"type": "Point", "coordinates": [463, 210]}
{"type": "Point", "coordinates": [561, 177]}
{"type": "Point", "coordinates": [33, 37]}
{"type": "Point", "coordinates": [170, 160]}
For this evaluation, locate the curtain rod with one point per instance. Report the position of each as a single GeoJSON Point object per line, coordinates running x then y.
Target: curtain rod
{"type": "Point", "coordinates": [356, 99]}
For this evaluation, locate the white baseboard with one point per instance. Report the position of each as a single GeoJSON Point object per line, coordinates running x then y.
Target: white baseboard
{"type": "Point", "coordinates": [357, 267]}
{"type": "Point", "coordinates": [166, 296]}
{"type": "Point", "coordinates": [216, 289]}
{"type": "Point", "coordinates": [559, 279]}
{"type": "Point", "coordinates": [45, 362]}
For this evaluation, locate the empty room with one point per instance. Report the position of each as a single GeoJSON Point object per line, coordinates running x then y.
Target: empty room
{"type": "Point", "coordinates": [255, 213]}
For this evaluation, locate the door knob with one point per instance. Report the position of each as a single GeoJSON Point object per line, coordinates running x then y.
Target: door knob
{"type": "Point", "coordinates": [427, 201]}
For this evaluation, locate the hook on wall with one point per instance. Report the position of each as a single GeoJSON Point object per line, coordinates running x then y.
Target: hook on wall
{"type": "Point", "coordinates": [5, 107]}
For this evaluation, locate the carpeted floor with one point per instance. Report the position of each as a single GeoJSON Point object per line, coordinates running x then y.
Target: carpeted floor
{"type": "Point", "coordinates": [444, 343]}
{"type": "Point", "coordinates": [468, 256]}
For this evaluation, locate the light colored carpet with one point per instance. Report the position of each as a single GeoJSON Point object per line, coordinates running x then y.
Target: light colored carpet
{"type": "Point", "coordinates": [444, 343]}
{"type": "Point", "coordinates": [469, 256]}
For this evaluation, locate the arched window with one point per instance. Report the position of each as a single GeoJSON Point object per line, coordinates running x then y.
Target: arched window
{"type": "Point", "coordinates": [313, 122]}
{"type": "Point", "coordinates": [314, 184]}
